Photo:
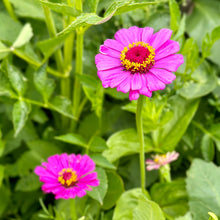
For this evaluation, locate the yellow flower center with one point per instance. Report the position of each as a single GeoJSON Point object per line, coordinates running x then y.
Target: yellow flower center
{"type": "Point", "coordinates": [67, 177]}
{"type": "Point", "coordinates": [138, 57]}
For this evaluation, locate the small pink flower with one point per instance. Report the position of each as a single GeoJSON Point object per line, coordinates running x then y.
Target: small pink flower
{"type": "Point", "coordinates": [67, 176]}
{"type": "Point", "coordinates": [161, 160]}
{"type": "Point", "coordinates": [138, 61]}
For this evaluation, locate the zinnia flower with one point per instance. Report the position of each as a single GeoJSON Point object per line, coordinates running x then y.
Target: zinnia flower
{"type": "Point", "coordinates": [138, 61]}
{"type": "Point", "coordinates": [67, 176]}
{"type": "Point", "coordinates": [161, 160]}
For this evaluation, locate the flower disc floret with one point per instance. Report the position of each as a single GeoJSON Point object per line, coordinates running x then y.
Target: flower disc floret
{"type": "Point", "coordinates": [138, 57]}
{"type": "Point", "coordinates": [67, 176]}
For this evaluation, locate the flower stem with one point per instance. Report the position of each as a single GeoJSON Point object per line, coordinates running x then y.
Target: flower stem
{"type": "Point", "coordinates": [73, 209]}
{"type": "Point", "coordinates": [140, 104]}
{"type": "Point", "coordinates": [79, 71]}
{"type": "Point", "coordinates": [10, 9]}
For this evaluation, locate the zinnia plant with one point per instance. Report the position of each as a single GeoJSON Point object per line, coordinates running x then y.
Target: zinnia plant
{"type": "Point", "coordinates": [138, 61]}
{"type": "Point", "coordinates": [67, 176]}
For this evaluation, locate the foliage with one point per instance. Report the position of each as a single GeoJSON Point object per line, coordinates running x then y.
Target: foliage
{"type": "Point", "coordinates": [51, 101]}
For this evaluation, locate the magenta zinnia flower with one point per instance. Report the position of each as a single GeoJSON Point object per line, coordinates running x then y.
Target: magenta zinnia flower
{"type": "Point", "coordinates": [67, 176]}
{"type": "Point", "coordinates": [138, 61]}
{"type": "Point", "coordinates": [161, 160]}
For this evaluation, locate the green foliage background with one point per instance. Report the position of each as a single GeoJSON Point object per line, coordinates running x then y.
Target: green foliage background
{"type": "Point", "coordinates": [50, 105]}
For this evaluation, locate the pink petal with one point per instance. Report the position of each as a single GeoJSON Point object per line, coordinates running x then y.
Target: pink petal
{"type": "Point", "coordinates": [124, 37]}
{"type": "Point", "coordinates": [170, 63]}
{"type": "Point", "coordinates": [170, 47]}
{"type": "Point", "coordinates": [144, 90]}
{"type": "Point", "coordinates": [125, 85]}
{"type": "Point", "coordinates": [134, 95]}
{"type": "Point", "coordinates": [136, 81]}
{"type": "Point", "coordinates": [154, 83]}
{"type": "Point", "coordinates": [104, 62]}
{"type": "Point", "coordinates": [108, 51]}
{"type": "Point", "coordinates": [113, 44]}
{"type": "Point", "coordinates": [147, 34]}
{"type": "Point", "coordinates": [109, 74]}
{"type": "Point", "coordinates": [135, 33]}
{"type": "Point", "coordinates": [163, 75]}
{"type": "Point", "coordinates": [159, 38]}
{"type": "Point", "coordinates": [153, 167]}
{"type": "Point", "coordinates": [118, 79]}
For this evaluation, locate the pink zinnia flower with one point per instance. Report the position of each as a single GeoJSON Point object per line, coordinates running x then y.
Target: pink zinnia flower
{"type": "Point", "coordinates": [138, 61]}
{"type": "Point", "coordinates": [161, 160]}
{"type": "Point", "coordinates": [67, 176]}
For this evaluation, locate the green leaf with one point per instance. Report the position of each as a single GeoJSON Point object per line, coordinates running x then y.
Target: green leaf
{"type": "Point", "coordinates": [96, 98]}
{"type": "Point", "coordinates": [191, 50]}
{"type": "Point", "coordinates": [187, 216]}
{"type": "Point", "coordinates": [102, 161]}
{"type": "Point", "coordinates": [43, 149]}
{"type": "Point", "coordinates": [2, 168]}
{"type": "Point", "coordinates": [4, 199]}
{"type": "Point", "coordinates": [2, 144]}
{"type": "Point", "coordinates": [88, 81]}
{"type": "Point", "coordinates": [175, 15]}
{"type": "Point", "coordinates": [205, 14]}
{"type": "Point", "coordinates": [172, 197]}
{"type": "Point", "coordinates": [215, 35]}
{"type": "Point", "coordinates": [98, 193]}
{"type": "Point", "coordinates": [5, 85]}
{"type": "Point", "coordinates": [203, 82]}
{"type": "Point", "coordinates": [124, 143]}
{"type": "Point", "coordinates": [28, 183]}
{"type": "Point", "coordinates": [92, 5]}
{"type": "Point", "coordinates": [212, 216]}
{"type": "Point", "coordinates": [133, 205]}
{"type": "Point", "coordinates": [72, 138]}
{"type": "Point", "coordinates": [10, 29]}
{"type": "Point", "coordinates": [97, 144]}
{"type": "Point", "coordinates": [18, 81]}
{"type": "Point", "coordinates": [44, 84]}
{"type": "Point", "coordinates": [167, 137]}
{"type": "Point", "coordinates": [4, 51]}
{"type": "Point", "coordinates": [24, 36]}
{"type": "Point", "coordinates": [20, 114]}
{"type": "Point", "coordinates": [61, 8]}
{"type": "Point", "coordinates": [49, 46]}
{"type": "Point", "coordinates": [214, 133]}
{"type": "Point", "coordinates": [115, 189]}
{"type": "Point", "coordinates": [62, 105]}
{"type": "Point", "coordinates": [28, 9]}
{"type": "Point", "coordinates": [203, 188]}
{"type": "Point", "coordinates": [207, 148]}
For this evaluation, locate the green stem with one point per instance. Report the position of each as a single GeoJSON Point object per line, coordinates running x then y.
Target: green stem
{"type": "Point", "coordinates": [10, 9]}
{"type": "Point", "coordinates": [52, 31]}
{"type": "Point", "coordinates": [23, 56]}
{"type": "Point", "coordinates": [78, 70]}
{"type": "Point", "coordinates": [140, 104]}
{"type": "Point", "coordinates": [73, 209]}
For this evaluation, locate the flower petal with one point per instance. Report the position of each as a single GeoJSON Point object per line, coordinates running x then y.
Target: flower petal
{"type": "Point", "coordinates": [113, 44]}
{"type": "Point", "coordinates": [144, 90]}
{"type": "Point", "coordinates": [104, 62]}
{"type": "Point", "coordinates": [125, 85]}
{"type": "Point", "coordinates": [154, 83]}
{"type": "Point", "coordinates": [124, 37]}
{"type": "Point", "coordinates": [163, 75]}
{"type": "Point", "coordinates": [159, 38]}
{"type": "Point", "coordinates": [170, 63]}
{"type": "Point", "coordinates": [147, 34]}
{"type": "Point", "coordinates": [119, 78]}
{"type": "Point", "coordinates": [170, 47]}
{"type": "Point", "coordinates": [136, 81]}
{"type": "Point", "coordinates": [110, 52]}
{"type": "Point", "coordinates": [135, 33]}
{"type": "Point", "coordinates": [134, 95]}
